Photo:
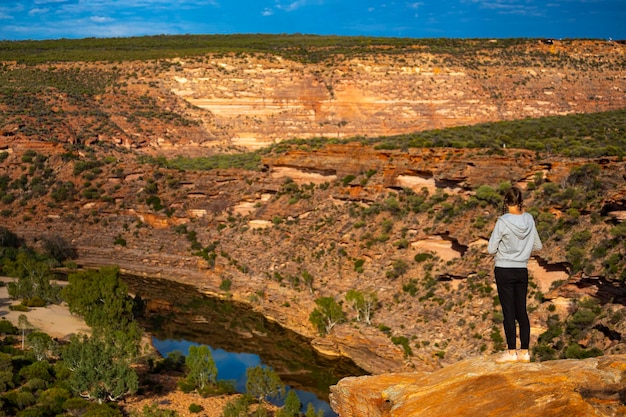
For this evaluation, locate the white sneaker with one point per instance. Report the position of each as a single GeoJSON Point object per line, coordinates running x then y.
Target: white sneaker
{"type": "Point", "coordinates": [507, 357]}
{"type": "Point", "coordinates": [523, 357]}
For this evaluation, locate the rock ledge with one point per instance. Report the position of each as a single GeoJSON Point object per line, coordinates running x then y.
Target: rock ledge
{"type": "Point", "coordinates": [480, 387]}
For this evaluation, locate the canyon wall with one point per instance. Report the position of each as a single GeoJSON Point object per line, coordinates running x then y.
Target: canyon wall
{"type": "Point", "coordinates": [408, 225]}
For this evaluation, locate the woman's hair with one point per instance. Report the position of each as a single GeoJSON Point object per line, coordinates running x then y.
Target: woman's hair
{"type": "Point", "coordinates": [513, 197]}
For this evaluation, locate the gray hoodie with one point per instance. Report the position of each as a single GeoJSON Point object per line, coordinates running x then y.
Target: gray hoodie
{"type": "Point", "coordinates": [513, 238]}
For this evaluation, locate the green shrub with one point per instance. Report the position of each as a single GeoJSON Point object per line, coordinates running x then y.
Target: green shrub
{"type": "Point", "coordinates": [35, 301]}
{"type": "Point", "coordinates": [237, 407]}
{"type": "Point", "coordinates": [6, 327]}
{"type": "Point", "coordinates": [544, 352]}
{"type": "Point", "coordinates": [410, 287]}
{"type": "Point", "coordinates": [225, 284]}
{"type": "Point", "coordinates": [186, 386]}
{"type": "Point", "coordinates": [358, 265]}
{"type": "Point", "coordinates": [347, 180]}
{"type": "Point", "coordinates": [76, 406]}
{"type": "Point", "coordinates": [422, 257]}
{"type": "Point", "coordinates": [385, 329]}
{"type": "Point", "coordinates": [154, 202]}
{"type": "Point", "coordinates": [402, 244]}
{"type": "Point", "coordinates": [398, 268]}
{"type": "Point", "coordinates": [404, 342]}
{"type": "Point", "coordinates": [195, 408]}
{"type": "Point", "coordinates": [575, 351]}
{"type": "Point", "coordinates": [489, 195]}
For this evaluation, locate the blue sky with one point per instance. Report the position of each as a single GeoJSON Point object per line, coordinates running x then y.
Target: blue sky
{"type": "Point", "coordinates": [53, 19]}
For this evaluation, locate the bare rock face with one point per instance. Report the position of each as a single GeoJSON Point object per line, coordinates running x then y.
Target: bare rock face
{"type": "Point", "coordinates": [480, 387]}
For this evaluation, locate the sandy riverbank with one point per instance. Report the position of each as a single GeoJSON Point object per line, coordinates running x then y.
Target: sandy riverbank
{"type": "Point", "coordinates": [55, 320]}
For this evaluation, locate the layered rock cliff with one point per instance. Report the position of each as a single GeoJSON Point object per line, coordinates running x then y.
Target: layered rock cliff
{"type": "Point", "coordinates": [223, 102]}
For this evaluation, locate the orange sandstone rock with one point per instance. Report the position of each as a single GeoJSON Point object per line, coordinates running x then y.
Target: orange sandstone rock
{"type": "Point", "coordinates": [480, 387]}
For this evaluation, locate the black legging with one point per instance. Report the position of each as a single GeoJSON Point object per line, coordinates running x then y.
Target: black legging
{"type": "Point", "coordinates": [512, 286]}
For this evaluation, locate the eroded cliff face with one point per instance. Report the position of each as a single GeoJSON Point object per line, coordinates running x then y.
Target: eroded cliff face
{"type": "Point", "coordinates": [261, 100]}
{"type": "Point", "coordinates": [227, 102]}
{"type": "Point", "coordinates": [478, 386]}
{"type": "Point", "coordinates": [407, 225]}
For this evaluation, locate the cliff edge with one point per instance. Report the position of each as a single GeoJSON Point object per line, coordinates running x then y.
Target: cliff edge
{"type": "Point", "coordinates": [480, 387]}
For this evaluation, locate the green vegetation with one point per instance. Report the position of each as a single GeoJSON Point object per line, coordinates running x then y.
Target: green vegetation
{"type": "Point", "coordinates": [263, 382]}
{"type": "Point", "coordinates": [326, 315]}
{"type": "Point", "coordinates": [304, 48]}
{"type": "Point", "coordinates": [363, 304]}
{"type": "Point", "coordinates": [404, 342]}
{"type": "Point", "coordinates": [52, 378]}
{"type": "Point", "coordinates": [201, 367]}
{"type": "Point", "coordinates": [33, 278]}
{"type": "Point", "coordinates": [576, 135]}
{"type": "Point", "coordinates": [250, 161]}
{"type": "Point", "coordinates": [567, 340]}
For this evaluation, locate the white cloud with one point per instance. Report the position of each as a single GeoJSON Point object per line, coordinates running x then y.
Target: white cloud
{"type": "Point", "coordinates": [46, 2]}
{"type": "Point", "coordinates": [100, 19]}
{"type": "Point", "coordinates": [267, 12]}
{"type": "Point", "coordinates": [516, 7]}
{"type": "Point", "coordinates": [415, 5]}
{"type": "Point", "coordinates": [298, 4]}
{"type": "Point", "coordinates": [37, 11]}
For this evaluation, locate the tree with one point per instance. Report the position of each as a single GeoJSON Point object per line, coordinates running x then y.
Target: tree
{"type": "Point", "coordinates": [100, 297]}
{"type": "Point", "coordinates": [37, 370]}
{"type": "Point", "coordinates": [262, 382]}
{"type": "Point", "coordinates": [33, 278]}
{"type": "Point", "coordinates": [292, 405]}
{"type": "Point", "coordinates": [58, 248]}
{"type": "Point", "coordinates": [236, 408]}
{"type": "Point", "coordinates": [8, 239]}
{"type": "Point", "coordinates": [23, 324]}
{"type": "Point", "coordinates": [101, 367]}
{"type": "Point", "coordinates": [363, 304]}
{"type": "Point", "coordinates": [6, 372]}
{"type": "Point", "coordinates": [202, 368]}
{"type": "Point", "coordinates": [310, 411]}
{"type": "Point", "coordinates": [41, 343]}
{"type": "Point", "coordinates": [53, 398]}
{"type": "Point", "coordinates": [327, 313]}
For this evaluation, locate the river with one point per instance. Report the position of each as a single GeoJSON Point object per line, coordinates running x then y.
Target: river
{"type": "Point", "coordinates": [179, 316]}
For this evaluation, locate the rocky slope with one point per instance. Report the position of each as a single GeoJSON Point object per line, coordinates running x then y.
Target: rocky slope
{"type": "Point", "coordinates": [407, 225]}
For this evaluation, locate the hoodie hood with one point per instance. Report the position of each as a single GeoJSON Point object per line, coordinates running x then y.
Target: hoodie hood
{"type": "Point", "coordinates": [520, 224]}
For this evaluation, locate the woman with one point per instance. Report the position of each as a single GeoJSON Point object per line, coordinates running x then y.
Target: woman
{"type": "Point", "coordinates": [513, 238]}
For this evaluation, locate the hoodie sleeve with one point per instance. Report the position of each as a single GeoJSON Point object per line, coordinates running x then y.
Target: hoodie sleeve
{"type": "Point", "coordinates": [537, 245]}
{"type": "Point", "coordinates": [496, 235]}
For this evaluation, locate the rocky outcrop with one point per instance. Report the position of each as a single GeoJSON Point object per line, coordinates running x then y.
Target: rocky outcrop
{"type": "Point", "coordinates": [480, 387]}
